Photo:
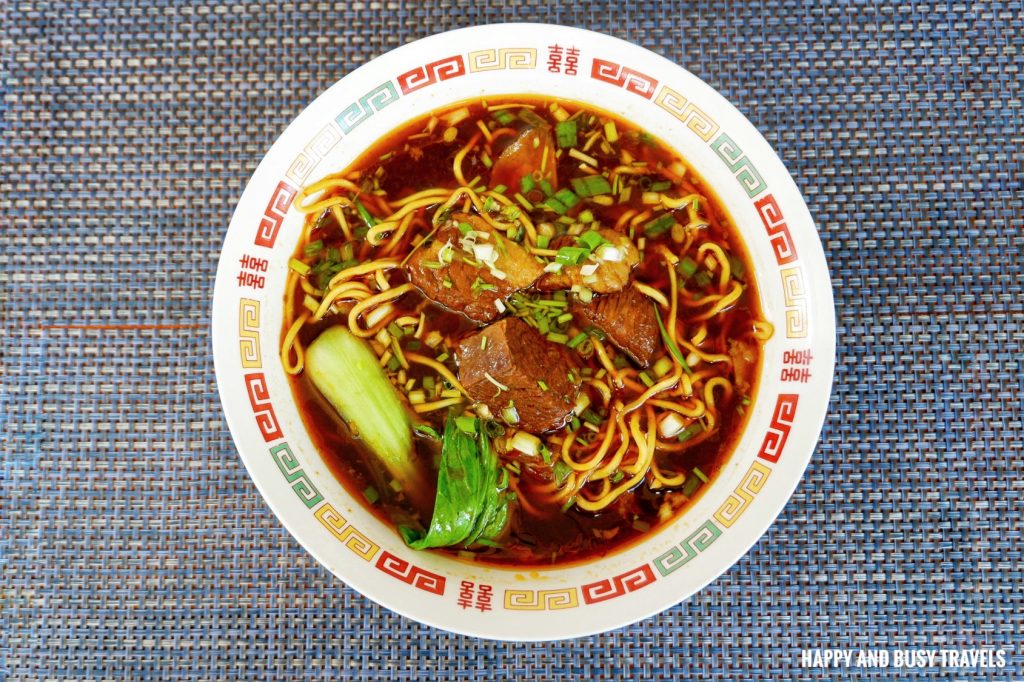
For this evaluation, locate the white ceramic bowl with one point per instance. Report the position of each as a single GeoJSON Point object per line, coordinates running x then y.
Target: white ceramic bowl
{"type": "Point", "coordinates": [714, 138]}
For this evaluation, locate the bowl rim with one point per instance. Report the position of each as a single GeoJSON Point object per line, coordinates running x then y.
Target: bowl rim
{"type": "Point", "coordinates": [812, 251]}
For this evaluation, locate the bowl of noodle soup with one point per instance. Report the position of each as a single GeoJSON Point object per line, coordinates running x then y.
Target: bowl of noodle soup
{"type": "Point", "coordinates": [521, 323]}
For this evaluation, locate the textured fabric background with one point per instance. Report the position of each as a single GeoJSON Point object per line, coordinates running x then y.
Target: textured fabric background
{"type": "Point", "coordinates": [133, 544]}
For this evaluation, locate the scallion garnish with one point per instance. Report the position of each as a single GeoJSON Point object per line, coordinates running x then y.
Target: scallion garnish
{"type": "Point", "coordinates": [591, 185]}
{"type": "Point", "coordinates": [572, 255]}
{"type": "Point", "coordinates": [659, 225]}
{"type": "Point", "coordinates": [565, 133]}
{"type": "Point", "coordinates": [364, 214]}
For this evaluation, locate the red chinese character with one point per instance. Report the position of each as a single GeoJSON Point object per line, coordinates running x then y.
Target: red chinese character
{"type": "Point", "coordinates": [465, 594]}
{"type": "Point", "coordinates": [555, 58]}
{"type": "Point", "coordinates": [483, 598]}
{"type": "Point", "coordinates": [572, 59]}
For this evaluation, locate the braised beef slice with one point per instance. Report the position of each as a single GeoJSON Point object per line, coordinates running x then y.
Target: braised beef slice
{"type": "Point", "coordinates": [451, 284]}
{"type": "Point", "coordinates": [518, 357]}
{"type": "Point", "coordinates": [627, 317]}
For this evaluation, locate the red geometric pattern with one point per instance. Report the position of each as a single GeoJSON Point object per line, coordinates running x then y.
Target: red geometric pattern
{"type": "Point", "coordinates": [609, 588]}
{"type": "Point", "coordinates": [778, 231]}
{"type": "Point", "coordinates": [428, 74]}
{"type": "Point", "coordinates": [259, 398]}
{"type": "Point", "coordinates": [624, 77]}
{"type": "Point", "coordinates": [778, 432]}
{"type": "Point", "coordinates": [279, 204]}
{"type": "Point", "coordinates": [407, 573]}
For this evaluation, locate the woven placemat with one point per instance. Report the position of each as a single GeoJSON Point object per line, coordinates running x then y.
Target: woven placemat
{"type": "Point", "coordinates": [132, 543]}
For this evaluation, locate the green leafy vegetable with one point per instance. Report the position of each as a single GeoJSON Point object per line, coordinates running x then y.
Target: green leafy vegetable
{"type": "Point", "coordinates": [346, 371]}
{"type": "Point", "coordinates": [472, 502]}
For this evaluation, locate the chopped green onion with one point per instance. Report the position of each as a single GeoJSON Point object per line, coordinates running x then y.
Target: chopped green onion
{"type": "Point", "coordinates": [591, 239]}
{"type": "Point", "coordinates": [659, 225]}
{"type": "Point", "coordinates": [313, 248]}
{"type": "Point", "coordinates": [522, 200]}
{"type": "Point", "coordinates": [395, 331]}
{"type": "Point", "coordinates": [703, 278]}
{"type": "Point", "coordinates": [557, 338]}
{"type": "Point", "coordinates": [737, 267]}
{"type": "Point", "coordinates": [577, 340]}
{"type": "Point", "coordinates": [526, 183]}
{"type": "Point", "coordinates": [689, 432]}
{"type": "Point", "coordinates": [503, 116]}
{"type": "Point", "coordinates": [686, 267]}
{"type": "Point", "coordinates": [371, 494]}
{"type": "Point", "coordinates": [542, 241]}
{"type": "Point", "coordinates": [591, 417]}
{"type": "Point", "coordinates": [691, 485]}
{"type": "Point", "coordinates": [499, 189]}
{"type": "Point", "coordinates": [660, 186]}
{"type": "Point", "coordinates": [561, 471]}
{"type": "Point", "coordinates": [565, 133]}
{"type": "Point", "coordinates": [646, 378]}
{"type": "Point", "coordinates": [591, 185]}
{"type": "Point", "coordinates": [393, 364]}
{"type": "Point", "coordinates": [395, 485]}
{"type": "Point", "coordinates": [465, 228]}
{"type": "Point", "coordinates": [567, 197]}
{"type": "Point", "coordinates": [364, 214]}
{"type": "Point", "coordinates": [586, 216]}
{"type": "Point", "coordinates": [542, 384]}
{"type": "Point", "coordinates": [298, 266]}
{"type": "Point", "coordinates": [700, 474]}
{"type": "Point", "coordinates": [480, 285]}
{"type": "Point", "coordinates": [669, 343]}
{"type": "Point", "coordinates": [571, 255]}
{"type": "Point", "coordinates": [563, 318]}
{"type": "Point", "coordinates": [575, 424]}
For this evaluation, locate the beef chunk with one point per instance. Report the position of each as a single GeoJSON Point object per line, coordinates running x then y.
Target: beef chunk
{"type": "Point", "coordinates": [516, 356]}
{"type": "Point", "coordinates": [525, 156]}
{"type": "Point", "coordinates": [459, 282]}
{"type": "Point", "coordinates": [627, 317]}
{"type": "Point", "coordinates": [609, 277]}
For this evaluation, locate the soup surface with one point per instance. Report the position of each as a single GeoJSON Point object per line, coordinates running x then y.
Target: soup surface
{"type": "Point", "coordinates": [521, 330]}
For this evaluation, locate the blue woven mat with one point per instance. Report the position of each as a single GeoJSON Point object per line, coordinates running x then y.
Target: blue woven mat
{"type": "Point", "coordinates": [132, 543]}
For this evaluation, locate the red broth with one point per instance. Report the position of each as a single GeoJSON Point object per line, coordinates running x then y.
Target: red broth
{"type": "Point", "coordinates": [420, 156]}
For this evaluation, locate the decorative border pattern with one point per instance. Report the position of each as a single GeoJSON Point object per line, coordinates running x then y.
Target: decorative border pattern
{"type": "Point", "coordinates": [686, 112]}
{"type": "Point", "coordinates": [740, 498]}
{"type": "Point", "coordinates": [434, 72]}
{"type": "Point", "coordinates": [778, 432]}
{"type": "Point", "coordinates": [366, 106]}
{"type": "Point", "coordinates": [739, 164]}
{"type": "Point", "coordinates": [301, 485]}
{"type": "Point", "coordinates": [262, 407]}
{"type": "Point", "coordinates": [348, 535]}
{"type": "Point", "coordinates": [408, 573]}
{"type": "Point", "coordinates": [618, 585]}
{"type": "Point", "coordinates": [681, 110]}
{"type": "Point", "coordinates": [778, 232]}
{"type": "Point", "coordinates": [541, 600]}
{"type": "Point", "coordinates": [695, 543]}
{"type": "Point", "coordinates": [503, 58]}
{"type": "Point", "coordinates": [624, 77]}
{"type": "Point", "coordinates": [249, 333]}
{"type": "Point", "coordinates": [277, 208]}
{"type": "Point", "coordinates": [795, 297]}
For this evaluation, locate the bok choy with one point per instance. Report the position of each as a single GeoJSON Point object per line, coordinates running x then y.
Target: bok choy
{"type": "Point", "coordinates": [346, 371]}
{"type": "Point", "coordinates": [472, 499]}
